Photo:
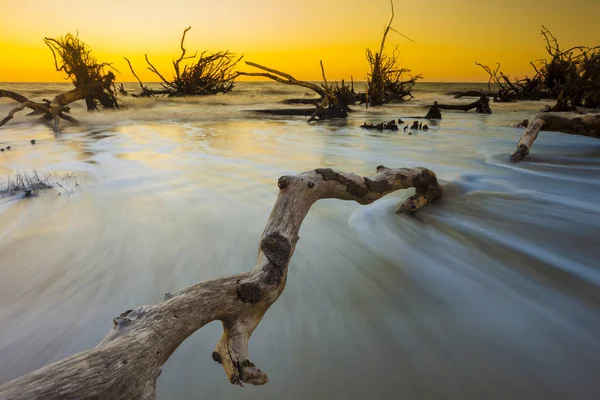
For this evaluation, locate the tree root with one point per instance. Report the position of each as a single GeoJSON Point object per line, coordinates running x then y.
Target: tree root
{"type": "Point", "coordinates": [126, 364]}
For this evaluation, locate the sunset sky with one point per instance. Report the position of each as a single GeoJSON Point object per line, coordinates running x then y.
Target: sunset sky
{"type": "Point", "coordinates": [293, 35]}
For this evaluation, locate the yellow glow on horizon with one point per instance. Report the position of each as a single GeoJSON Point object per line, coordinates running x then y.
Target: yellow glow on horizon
{"type": "Point", "coordinates": [294, 35]}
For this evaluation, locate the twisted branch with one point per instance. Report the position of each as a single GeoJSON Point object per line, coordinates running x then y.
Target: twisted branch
{"type": "Point", "coordinates": [128, 361]}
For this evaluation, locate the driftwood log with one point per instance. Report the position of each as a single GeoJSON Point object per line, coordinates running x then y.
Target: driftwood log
{"type": "Point", "coordinates": [126, 364]}
{"type": "Point", "coordinates": [570, 123]}
{"type": "Point", "coordinates": [53, 110]}
{"type": "Point", "coordinates": [482, 106]}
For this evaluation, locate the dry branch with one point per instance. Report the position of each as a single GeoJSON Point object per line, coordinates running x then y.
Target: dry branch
{"type": "Point", "coordinates": [50, 110]}
{"type": "Point", "coordinates": [335, 99]}
{"type": "Point", "coordinates": [126, 364]}
{"type": "Point", "coordinates": [570, 123]}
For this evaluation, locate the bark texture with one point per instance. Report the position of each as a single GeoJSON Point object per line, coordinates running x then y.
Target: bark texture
{"type": "Point", "coordinates": [570, 123]}
{"type": "Point", "coordinates": [126, 364]}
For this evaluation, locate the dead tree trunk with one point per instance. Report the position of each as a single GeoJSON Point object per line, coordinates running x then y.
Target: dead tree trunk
{"type": "Point", "coordinates": [570, 123]}
{"type": "Point", "coordinates": [335, 99]}
{"type": "Point", "coordinates": [481, 106]}
{"type": "Point", "coordinates": [126, 364]}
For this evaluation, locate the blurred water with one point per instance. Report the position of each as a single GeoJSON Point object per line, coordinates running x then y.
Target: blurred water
{"type": "Point", "coordinates": [491, 293]}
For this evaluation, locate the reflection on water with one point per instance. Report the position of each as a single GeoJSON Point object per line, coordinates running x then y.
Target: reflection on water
{"type": "Point", "coordinates": [492, 293]}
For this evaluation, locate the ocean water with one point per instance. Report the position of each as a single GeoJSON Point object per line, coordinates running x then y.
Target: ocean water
{"type": "Point", "coordinates": [491, 293]}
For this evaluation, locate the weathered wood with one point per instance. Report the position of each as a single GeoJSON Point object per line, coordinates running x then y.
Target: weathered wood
{"type": "Point", "coordinates": [126, 364]}
{"type": "Point", "coordinates": [51, 110]}
{"type": "Point", "coordinates": [482, 106]}
{"type": "Point", "coordinates": [570, 123]}
{"type": "Point", "coordinates": [334, 99]}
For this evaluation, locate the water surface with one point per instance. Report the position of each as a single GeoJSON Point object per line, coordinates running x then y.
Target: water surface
{"type": "Point", "coordinates": [491, 293]}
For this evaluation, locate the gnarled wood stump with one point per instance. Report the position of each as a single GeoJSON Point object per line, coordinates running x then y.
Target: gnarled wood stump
{"type": "Point", "coordinates": [126, 364]}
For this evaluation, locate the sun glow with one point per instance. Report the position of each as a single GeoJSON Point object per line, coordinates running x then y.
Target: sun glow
{"type": "Point", "coordinates": [293, 36]}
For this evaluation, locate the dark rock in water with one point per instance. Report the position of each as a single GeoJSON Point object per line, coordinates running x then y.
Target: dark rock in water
{"type": "Point", "coordinates": [32, 141]}
{"type": "Point", "coordinates": [406, 127]}
{"type": "Point", "coordinates": [425, 127]}
{"type": "Point", "coordinates": [415, 125]}
{"type": "Point", "coordinates": [2, 150]}
{"type": "Point", "coordinates": [400, 121]}
{"type": "Point", "coordinates": [7, 147]}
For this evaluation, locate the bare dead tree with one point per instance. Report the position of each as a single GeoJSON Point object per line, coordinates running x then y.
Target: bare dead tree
{"type": "Point", "coordinates": [572, 77]}
{"type": "Point", "coordinates": [207, 74]}
{"type": "Point", "coordinates": [127, 363]}
{"type": "Point", "coordinates": [92, 83]}
{"type": "Point", "coordinates": [335, 99]}
{"type": "Point", "coordinates": [73, 57]}
{"type": "Point", "coordinates": [386, 81]}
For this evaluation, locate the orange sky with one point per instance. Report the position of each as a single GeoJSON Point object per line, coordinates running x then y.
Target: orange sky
{"type": "Point", "coordinates": [293, 35]}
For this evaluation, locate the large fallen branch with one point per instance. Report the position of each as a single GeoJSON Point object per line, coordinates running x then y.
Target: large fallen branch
{"type": "Point", "coordinates": [482, 106]}
{"type": "Point", "coordinates": [570, 123]}
{"type": "Point", "coordinates": [335, 99]}
{"type": "Point", "coordinates": [126, 364]}
{"type": "Point", "coordinates": [50, 110]}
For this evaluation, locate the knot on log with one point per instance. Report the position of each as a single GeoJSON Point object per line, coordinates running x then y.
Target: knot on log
{"type": "Point", "coordinates": [277, 249]}
{"type": "Point", "coordinates": [249, 292]}
{"type": "Point", "coordinates": [283, 182]}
